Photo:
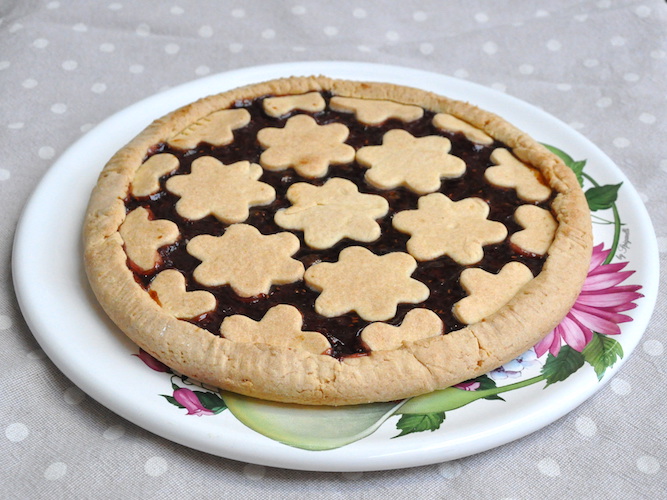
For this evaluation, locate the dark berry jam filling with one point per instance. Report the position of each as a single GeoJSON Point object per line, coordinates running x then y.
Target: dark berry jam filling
{"type": "Point", "coordinates": [440, 275]}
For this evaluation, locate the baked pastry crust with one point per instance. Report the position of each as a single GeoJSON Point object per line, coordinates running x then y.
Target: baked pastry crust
{"type": "Point", "coordinates": [290, 374]}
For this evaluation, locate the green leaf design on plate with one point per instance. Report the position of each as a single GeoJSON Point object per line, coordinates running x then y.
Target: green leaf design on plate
{"type": "Point", "coordinates": [558, 368]}
{"type": "Point", "coordinates": [602, 197]}
{"type": "Point", "coordinates": [576, 166]}
{"type": "Point", "coordinates": [602, 352]}
{"type": "Point", "coordinates": [443, 400]}
{"type": "Point", "coordinates": [486, 383]}
{"type": "Point", "coordinates": [309, 427]}
{"type": "Point", "coordinates": [452, 398]}
{"type": "Point", "coordinates": [418, 423]}
{"type": "Point", "coordinates": [172, 400]}
{"type": "Point", "coordinates": [211, 401]}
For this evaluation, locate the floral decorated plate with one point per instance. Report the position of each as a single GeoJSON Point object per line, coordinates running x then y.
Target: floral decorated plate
{"type": "Point", "coordinates": [543, 384]}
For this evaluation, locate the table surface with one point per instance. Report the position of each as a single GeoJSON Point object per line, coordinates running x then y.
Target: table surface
{"type": "Point", "coordinates": [599, 66]}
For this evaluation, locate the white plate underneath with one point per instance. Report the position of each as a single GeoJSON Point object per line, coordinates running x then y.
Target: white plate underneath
{"type": "Point", "coordinates": [75, 333]}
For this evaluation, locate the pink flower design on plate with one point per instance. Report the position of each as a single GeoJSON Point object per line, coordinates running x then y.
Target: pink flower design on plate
{"type": "Point", "coordinates": [597, 309]}
{"type": "Point", "coordinates": [470, 385]}
{"type": "Point", "coordinates": [151, 362]}
{"type": "Point", "coordinates": [191, 402]}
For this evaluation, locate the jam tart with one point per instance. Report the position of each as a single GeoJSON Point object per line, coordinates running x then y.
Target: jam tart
{"type": "Point", "coordinates": [331, 242]}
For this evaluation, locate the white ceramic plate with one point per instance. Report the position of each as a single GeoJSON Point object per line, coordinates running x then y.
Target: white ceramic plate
{"type": "Point", "coordinates": [74, 332]}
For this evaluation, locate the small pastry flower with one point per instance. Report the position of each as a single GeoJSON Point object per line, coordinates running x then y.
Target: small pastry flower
{"type": "Point", "coordinates": [376, 111]}
{"type": "Point", "coordinates": [215, 129]}
{"type": "Point", "coordinates": [509, 172]}
{"type": "Point", "coordinates": [539, 229]}
{"type": "Point", "coordinates": [450, 123]}
{"type": "Point", "coordinates": [147, 178]}
{"type": "Point", "coordinates": [224, 191]}
{"type": "Point", "coordinates": [488, 292]}
{"type": "Point", "coordinates": [280, 326]}
{"type": "Point", "coordinates": [282, 105]}
{"type": "Point", "coordinates": [372, 285]}
{"type": "Point", "coordinates": [305, 146]}
{"type": "Point", "coordinates": [327, 214]}
{"type": "Point", "coordinates": [142, 236]}
{"type": "Point", "coordinates": [458, 229]}
{"type": "Point", "coordinates": [418, 324]}
{"type": "Point", "coordinates": [245, 259]}
{"type": "Point", "coordinates": [168, 289]}
{"type": "Point", "coordinates": [418, 163]}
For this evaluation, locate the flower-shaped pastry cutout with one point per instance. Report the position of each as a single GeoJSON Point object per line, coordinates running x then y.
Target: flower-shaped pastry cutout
{"type": "Point", "coordinates": [488, 292]}
{"type": "Point", "coordinates": [416, 163]}
{"type": "Point", "coordinates": [540, 228]}
{"type": "Point", "coordinates": [215, 129]}
{"type": "Point", "coordinates": [143, 236]}
{"type": "Point", "coordinates": [376, 111]}
{"type": "Point", "coordinates": [441, 226]}
{"type": "Point", "coordinates": [305, 146]}
{"type": "Point", "coordinates": [450, 123]}
{"type": "Point", "coordinates": [327, 214]}
{"type": "Point", "coordinates": [247, 260]}
{"type": "Point", "coordinates": [224, 191]}
{"type": "Point", "coordinates": [280, 106]}
{"type": "Point", "coordinates": [280, 326]}
{"type": "Point", "coordinates": [509, 172]}
{"type": "Point", "coordinates": [168, 290]}
{"type": "Point", "coordinates": [418, 324]}
{"type": "Point", "coordinates": [147, 178]}
{"type": "Point", "coordinates": [372, 285]}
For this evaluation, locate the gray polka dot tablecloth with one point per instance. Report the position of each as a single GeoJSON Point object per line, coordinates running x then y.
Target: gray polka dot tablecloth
{"type": "Point", "coordinates": [599, 66]}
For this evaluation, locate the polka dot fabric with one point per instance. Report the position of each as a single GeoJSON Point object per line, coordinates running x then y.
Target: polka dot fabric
{"type": "Point", "coordinates": [67, 65]}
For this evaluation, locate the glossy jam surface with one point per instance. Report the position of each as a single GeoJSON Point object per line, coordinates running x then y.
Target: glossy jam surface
{"type": "Point", "coordinates": [440, 275]}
